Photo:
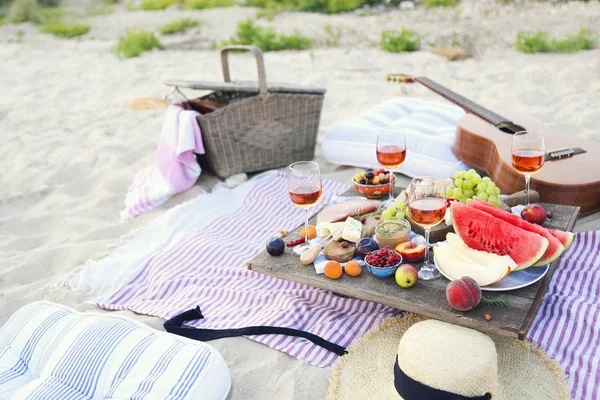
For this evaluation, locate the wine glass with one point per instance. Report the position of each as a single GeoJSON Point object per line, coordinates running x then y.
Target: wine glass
{"type": "Point", "coordinates": [391, 152]}
{"type": "Point", "coordinates": [528, 155]}
{"type": "Point", "coordinates": [427, 207]}
{"type": "Point", "coordinates": [304, 182]}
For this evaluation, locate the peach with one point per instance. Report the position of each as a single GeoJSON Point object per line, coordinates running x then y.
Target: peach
{"type": "Point", "coordinates": [534, 213]}
{"type": "Point", "coordinates": [411, 251]}
{"type": "Point", "coordinates": [463, 294]}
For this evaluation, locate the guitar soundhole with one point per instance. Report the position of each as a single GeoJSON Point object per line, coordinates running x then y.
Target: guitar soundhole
{"type": "Point", "coordinates": [510, 128]}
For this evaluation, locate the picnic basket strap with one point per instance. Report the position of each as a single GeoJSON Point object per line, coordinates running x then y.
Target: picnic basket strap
{"type": "Point", "coordinates": [175, 326]}
{"type": "Point", "coordinates": [260, 65]}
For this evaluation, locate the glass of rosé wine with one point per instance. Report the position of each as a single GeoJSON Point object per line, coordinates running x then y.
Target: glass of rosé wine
{"type": "Point", "coordinates": [528, 155]}
{"type": "Point", "coordinates": [391, 152]}
{"type": "Point", "coordinates": [304, 183]}
{"type": "Point", "coordinates": [427, 208]}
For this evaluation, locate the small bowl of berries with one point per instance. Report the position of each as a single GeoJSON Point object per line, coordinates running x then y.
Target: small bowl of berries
{"type": "Point", "coordinates": [373, 183]}
{"type": "Point", "coordinates": [384, 262]}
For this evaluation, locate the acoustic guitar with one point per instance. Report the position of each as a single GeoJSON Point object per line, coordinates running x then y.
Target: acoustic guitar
{"type": "Point", "coordinates": [571, 172]}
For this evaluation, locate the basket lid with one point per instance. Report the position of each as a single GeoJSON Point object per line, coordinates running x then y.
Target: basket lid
{"type": "Point", "coordinates": [242, 86]}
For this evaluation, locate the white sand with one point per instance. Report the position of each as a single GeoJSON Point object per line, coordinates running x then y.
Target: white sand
{"type": "Point", "coordinates": [70, 147]}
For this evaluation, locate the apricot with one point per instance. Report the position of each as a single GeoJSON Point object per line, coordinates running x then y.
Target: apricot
{"type": "Point", "coordinates": [353, 268]}
{"type": "Point", "coordinates": [312, 232]}
{"type": "Point", "coordinates": [463, 294]}
{"type": "Point", "coordinates": [333, 270]}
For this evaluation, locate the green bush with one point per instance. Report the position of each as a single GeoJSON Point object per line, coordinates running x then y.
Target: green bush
{"type": "Point", "coordinates": [49, 3]}
{"type": "Point", "coordinates": [542, 42]}
{"type": "Point", "coordinates": [135, 42]}
{"type": "Point", "coordinates": [65, 30]}
{"type": "Point", "coordinates": [23, 11]}
{"type": "Point", "coordinates": [267, 39]}
{"type": "Point", "coordinates": [152, 5]}
{"type": "Point", "coordinates": [323, 6]}
{"type": "Point", "coordinates": [441, 3]}
{"type": "Point", "coordinates": [201, 4]}
{"type": "Point", "coordinates": [178, 26]}
{"type": "Point", "coordinates": [399, 41]}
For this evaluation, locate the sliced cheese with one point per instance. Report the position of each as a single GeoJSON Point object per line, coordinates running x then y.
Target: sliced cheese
{"type": "Point", "coordinates": [352, 230]}
{"type": "Point", "coordinates": [337, 228]}
{"type": "Point", "coordinates": [324, 229]}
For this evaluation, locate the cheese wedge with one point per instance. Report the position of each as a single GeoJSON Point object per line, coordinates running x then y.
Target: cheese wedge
{"type": "Point", "coordinates": [352, 230]}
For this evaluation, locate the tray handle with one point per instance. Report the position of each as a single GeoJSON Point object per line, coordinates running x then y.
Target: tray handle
{"type": "Point", "coordinates": [260, 65]}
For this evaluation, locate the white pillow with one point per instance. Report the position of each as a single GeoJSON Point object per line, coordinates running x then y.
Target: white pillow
{"type": "Point", "coordinates": [429, 126]}
{"type": "Point", "coordinates": [48, 351]}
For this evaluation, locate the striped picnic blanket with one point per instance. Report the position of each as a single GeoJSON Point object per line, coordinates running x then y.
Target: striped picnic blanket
{"type": "Point", "coordinates": [203, 262]}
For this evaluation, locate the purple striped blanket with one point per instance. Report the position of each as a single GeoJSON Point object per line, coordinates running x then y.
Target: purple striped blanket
{"type": "Point", "coordinates": [207, 267]}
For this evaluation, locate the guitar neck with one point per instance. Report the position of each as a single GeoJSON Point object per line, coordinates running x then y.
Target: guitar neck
{"type": "Point", "coordinates": [463, 102]}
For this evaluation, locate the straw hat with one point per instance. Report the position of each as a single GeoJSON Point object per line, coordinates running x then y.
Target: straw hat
{"type": "Point", "coordinates": [437, 356]}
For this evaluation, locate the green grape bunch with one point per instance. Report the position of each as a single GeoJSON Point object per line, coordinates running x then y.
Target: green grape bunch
{"type": "Point", "coordinates": [469, 184]}
{"type": "Point", "coordinates": [396, 211]}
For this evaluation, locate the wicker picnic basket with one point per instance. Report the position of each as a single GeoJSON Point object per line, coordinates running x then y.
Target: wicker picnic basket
{"type": "Point", "coordinates": [257, 127]}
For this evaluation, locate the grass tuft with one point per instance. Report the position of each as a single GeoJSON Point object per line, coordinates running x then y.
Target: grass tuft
{"type": "Point", "coordinates": [178, 26]}
{"type": "Point", "coordinates": [202, 4]}
{"type": "Point", "coordinates": [135, 42]}
{"type": "Point", "coordinates": [65, 30]}
{"type": "Point", "coordinates": [334, 33]}
{"type": "Point", "coordinates": [440, 3]}
{"type": "Point", "coordinates": [267, 39]}
{"type": "Point", "coordinates": [542, 42]}
{"type": "Point", "coordinates": [153, 5]}
{"type": "Point", "coordinates": [400, 41]}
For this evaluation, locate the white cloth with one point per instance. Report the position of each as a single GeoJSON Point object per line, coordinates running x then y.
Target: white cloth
{"type": "Point", "coordinates": [429, 126]}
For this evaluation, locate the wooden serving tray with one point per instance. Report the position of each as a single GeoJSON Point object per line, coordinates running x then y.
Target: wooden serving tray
{"type": "Point", "coordinates": [427, 297]}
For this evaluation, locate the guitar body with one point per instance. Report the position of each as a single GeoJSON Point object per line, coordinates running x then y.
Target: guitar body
{"type": "Point", "coordinates": [571, 181]}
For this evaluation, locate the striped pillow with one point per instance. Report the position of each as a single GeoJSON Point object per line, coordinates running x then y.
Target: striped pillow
{"type": "Point", "coordinates": [48, 351]}
{"type": "Point", "coordinates": [429, 126]}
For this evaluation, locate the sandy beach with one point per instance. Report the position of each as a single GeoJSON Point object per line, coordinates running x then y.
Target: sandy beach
{"type": "Point", "coordinates": [71, 147]}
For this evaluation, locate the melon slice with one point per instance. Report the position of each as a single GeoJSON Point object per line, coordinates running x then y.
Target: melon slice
{"type": "Point", "coordinates": [484, 258]}
{"type": "Point", "coordinates": [555, 247]}
{"type": "Point", "coordinates": [566, 238]}
{"type": "Point", "coordinates": [482, 231]}
{"type": "Point", "coordinates": [453, 265]}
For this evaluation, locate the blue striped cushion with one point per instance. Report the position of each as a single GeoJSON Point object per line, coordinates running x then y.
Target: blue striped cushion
{"type": "Point", "coordinates": [48, 351]}
{"type": "Point", "coordinates": [429, 127]}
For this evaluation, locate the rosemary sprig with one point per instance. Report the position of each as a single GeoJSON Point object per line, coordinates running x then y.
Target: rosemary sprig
{"type": "Point", "coordinates": [494, 301]}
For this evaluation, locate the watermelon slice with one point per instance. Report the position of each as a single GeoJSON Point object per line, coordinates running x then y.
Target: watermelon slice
{"type": "Point", "coordinates": [482, 231]}
{"type": "Point", "coordinates": [555, 247]}
{"type": "Point", "coordinates": [566, 238]}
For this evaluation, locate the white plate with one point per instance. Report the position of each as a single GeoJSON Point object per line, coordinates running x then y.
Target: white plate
{"type": "Point", "coordinates": [514, 280]}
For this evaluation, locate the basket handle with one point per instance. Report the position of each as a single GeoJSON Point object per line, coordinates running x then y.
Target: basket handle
{"type": "Point", "coordinates": [260, 65]}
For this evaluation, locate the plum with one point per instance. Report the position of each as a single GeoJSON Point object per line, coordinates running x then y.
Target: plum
{"type": "Point", "coordinates": [275, 246]}
{"type": "Point", "coordinates": [364, 246]}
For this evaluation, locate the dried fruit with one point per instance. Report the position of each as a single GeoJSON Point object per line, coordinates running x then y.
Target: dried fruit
{"type": "Point", "coordinates": [363, 220]}
{"type": "Point", "coordinates": [333, 270]}
{"type": "Point", "coordinates": [282, 233]}
{"type": "Point", "coordinates": [488, 317]}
